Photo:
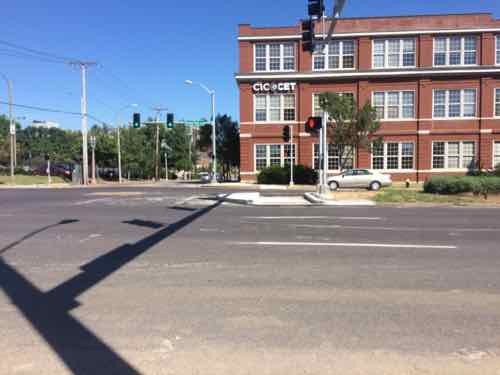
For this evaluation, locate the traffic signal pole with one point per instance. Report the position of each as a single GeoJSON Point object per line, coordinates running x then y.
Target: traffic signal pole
{"type": "Point", "coordinates": [292, 156]}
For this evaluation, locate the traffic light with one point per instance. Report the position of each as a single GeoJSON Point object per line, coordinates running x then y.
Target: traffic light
{"type": "Point", "coordinates": [316, 8]}
{"type": "Point", "coordinates": [286, 133]}
{"type": "Point", "coordinates": [308, 35]}
{"type": "Point", "coordinates": [313, 124]}
{"type": "Point", "coordinates": [170, 120]}
{"type": "Point", "coordinates": [136, 121]}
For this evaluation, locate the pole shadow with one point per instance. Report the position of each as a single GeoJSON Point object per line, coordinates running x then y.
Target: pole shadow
{"type": "Point", "coordinates": [49, 312]}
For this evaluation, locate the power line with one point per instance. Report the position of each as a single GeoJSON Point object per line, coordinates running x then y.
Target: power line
{"type": "Point", "coordinates": [37, 52]}
{"type": "Point", "coordinates": [53, 110]}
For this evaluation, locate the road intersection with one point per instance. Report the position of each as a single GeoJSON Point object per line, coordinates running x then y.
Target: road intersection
{"type": "Point", "coordinates": [171, 281]}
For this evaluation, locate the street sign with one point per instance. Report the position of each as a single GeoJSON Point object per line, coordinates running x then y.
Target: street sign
{"type": "Point", "coordinates": [12, 129]}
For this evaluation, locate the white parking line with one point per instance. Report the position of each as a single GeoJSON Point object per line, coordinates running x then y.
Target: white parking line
{"type": "Point", "coordinates": [312, 218]}
{"type": "Point", "coordinates": [346, 244]}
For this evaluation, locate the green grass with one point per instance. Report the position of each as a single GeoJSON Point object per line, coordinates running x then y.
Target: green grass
{"type": "Point", "coordinates": [29, 180]}
{"type": "Point", "coordinates": [395, 195]}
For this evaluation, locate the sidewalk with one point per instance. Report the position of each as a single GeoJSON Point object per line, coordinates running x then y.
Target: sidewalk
{"type": "Point", "coordinates": [308, 199]}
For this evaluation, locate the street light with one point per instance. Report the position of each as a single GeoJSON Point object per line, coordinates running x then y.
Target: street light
{"type": "Point", "coordinates": [165, 147]}
{"type": "Point", "coordinates": [214, 144]}
{"type": "Point", "coordinates": [12, 126]}
{"type": "Point", "coordinates": [118, 145]}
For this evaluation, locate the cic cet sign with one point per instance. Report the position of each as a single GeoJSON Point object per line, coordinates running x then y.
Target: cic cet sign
{"type": "Point", "coordinates": [266, 87]}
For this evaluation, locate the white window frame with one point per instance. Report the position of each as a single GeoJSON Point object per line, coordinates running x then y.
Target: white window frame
{"type": "Point", "coordinates": [495, 155]}
{"type": "Point", "coordinates": [400, 105]}
{"type": "Point", "coordinates": [331, 157]}
{"type": "Point", "coordinates": [400, 157]}
{"type": "Point", "coordinates": [447, 105]}
{"type": "Point", "coordinates": [448, 52]}
{"type": "Point", "coordinates": [446, 155]}
{"type": "Point", "coordinates": [324, 51]}
{"type": "Point", "coordinates": [401, 53]}
{"type": "Point", "coordinates": [268, 154]}
{"type": "Point", "coordinates": [496, 102]}
{"type": "Point", "coordinates": [281, 57]}
{"type": "Point", "coordinates": [316, 94]}
{"type": "Point", "coordinates": [497, 49]}
{"type": "Point", "coordinates": [282, 108]}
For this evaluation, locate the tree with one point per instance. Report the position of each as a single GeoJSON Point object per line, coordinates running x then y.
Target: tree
{"type": "Point", "coordinates": [227, 143]}
{"type": "Point", "coordinates": [351, 127]}
{"type": "Point", "coordinates": [5, 139]}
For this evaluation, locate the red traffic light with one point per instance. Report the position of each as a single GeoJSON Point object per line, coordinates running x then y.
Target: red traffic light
{"type": "Point", "coordinates": [313, 124]}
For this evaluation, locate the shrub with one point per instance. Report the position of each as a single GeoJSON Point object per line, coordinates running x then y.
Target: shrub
{"type": "Point", "coordinates": [302, 175]}
{"type": "Point", "coordinates": [273, 176]}
{"type": "Point", "coordinates": [456, 185]}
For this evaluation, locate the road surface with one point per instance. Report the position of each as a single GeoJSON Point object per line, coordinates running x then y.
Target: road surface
{"type": "Point", "coordinates": [168, 281]}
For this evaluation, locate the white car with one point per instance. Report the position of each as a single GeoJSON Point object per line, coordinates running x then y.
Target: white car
{"type": "Point", "coordinates": [360, 178]}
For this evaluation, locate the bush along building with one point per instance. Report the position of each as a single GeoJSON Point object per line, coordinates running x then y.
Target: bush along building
{"type": "Point", "coordinates": [434, 81]}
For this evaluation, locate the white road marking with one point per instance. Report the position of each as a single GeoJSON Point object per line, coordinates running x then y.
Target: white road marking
{"type": "Point", "coordinates": [312, 218]}
{"type": "Point", "coordinates": [346, 244]}
{"type": "Point", "coordinates": [397, 229]}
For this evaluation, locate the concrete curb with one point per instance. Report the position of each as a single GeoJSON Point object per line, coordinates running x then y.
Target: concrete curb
{"type": "Point", "coordinates": [313, 198]}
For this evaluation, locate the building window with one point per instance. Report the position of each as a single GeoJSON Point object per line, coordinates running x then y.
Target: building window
{"type": "Point", "coordinates": [394, 105]}
{"type": "Point", "coordinates": [274, 57]}
{"type": "Point", "coordinates": [453, 155]}
{"type": "Point", "coordinates": [336, 55]}
{"type": "Point", "coordinates": [455, 50]}
{"type": "Point", "coordinates": [394, 53]}
{"type": "Point", "coordinates": [497, 102]}
{"type": "Point", "coordinates": [317, 111]}
{"type": "Point", "coordinates": [274, 155]}
{"type": "Point", "coordinates": [393, 156]}
{"type": "Point", "coordinates": [339, 157]}
{"type": "Point", "coordinates": [498, 49]}
{"type": "Point", "coordinates": [496, 154]}
{"type": "Point", "coordinates": [454, 103]}
{"type": "Point", "coordinates": [274, 108]}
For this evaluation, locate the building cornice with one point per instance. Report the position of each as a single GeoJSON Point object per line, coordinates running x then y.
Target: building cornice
{"type": "Point", "coordinates": [255, 38]}
{"type": "Point", "coordinates": [252, 77]}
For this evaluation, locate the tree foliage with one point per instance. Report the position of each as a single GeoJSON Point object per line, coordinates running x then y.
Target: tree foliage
{"type": "Point", "coordinates": [351, 125]}
{"type": "Point", "coordinates": [138, 147]}
{"type": "Point", "coordinates": [227, 143]}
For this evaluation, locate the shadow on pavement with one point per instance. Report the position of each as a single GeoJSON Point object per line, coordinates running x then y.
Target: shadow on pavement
{"type": "Point", "coordinates": [49, 312]}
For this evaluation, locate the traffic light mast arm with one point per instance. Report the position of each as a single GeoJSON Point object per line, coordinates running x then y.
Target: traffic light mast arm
{"type": "Point", "coordinates": [337, 10]}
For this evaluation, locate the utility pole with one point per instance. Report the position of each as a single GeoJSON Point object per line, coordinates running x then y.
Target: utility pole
{"type": "Point", "coordinates": [12, 126]}
{"type": "Point", "coordinates": [158, 110]}
{"type": "Point", "coordinates": [85, 159]}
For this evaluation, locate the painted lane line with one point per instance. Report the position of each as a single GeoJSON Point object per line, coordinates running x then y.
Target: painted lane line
{"type": "Point", "coordinates": [312, 218]}
{"type": "Point", "coordinates": [346, 244]}
{"type": "Point", "coordinates": [397, 229]}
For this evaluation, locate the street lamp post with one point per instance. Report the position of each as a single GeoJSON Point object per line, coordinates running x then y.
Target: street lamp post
{"type": "Point", "coordinates": [93, 145]}
{"type": "Point", "coordinates": [214, 141]}
{"type": "Point", "coordinates": [118, 139]}
{"type": "Point", "coordinates": [12, 126]}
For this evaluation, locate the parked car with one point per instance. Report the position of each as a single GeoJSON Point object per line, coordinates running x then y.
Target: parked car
{"type": "Point", "coordinates": [63, 170]}
{"type": "Point", "coordinates": [360, 178]}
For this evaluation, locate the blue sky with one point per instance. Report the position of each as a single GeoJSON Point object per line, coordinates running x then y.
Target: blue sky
{"type": "Point", "coordinates": [146, 49]}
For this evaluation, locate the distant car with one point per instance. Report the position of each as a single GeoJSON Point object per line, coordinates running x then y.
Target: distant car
{"type": "Point", "coordinates": [59, 169]}
{"type": "Point", "coordinates": [206, 177]}
{"type": "Point", "coordinates": [360, 178]}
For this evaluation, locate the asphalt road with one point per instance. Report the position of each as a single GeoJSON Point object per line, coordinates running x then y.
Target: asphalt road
{"type": "Point", "coordinates": [168, 281]}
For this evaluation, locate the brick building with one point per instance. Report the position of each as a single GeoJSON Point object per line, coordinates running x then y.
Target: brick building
{"type": "Point", "coordinates": [434, 81]}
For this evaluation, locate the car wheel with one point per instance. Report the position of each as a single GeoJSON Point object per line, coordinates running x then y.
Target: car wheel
{"type": "Point", "coordinates": [375, 186]}
{"type": "Point", "coordinates": [334, 186]}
